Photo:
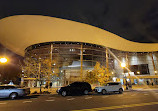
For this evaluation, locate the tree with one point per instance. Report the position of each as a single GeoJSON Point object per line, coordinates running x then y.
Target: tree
{"type": "Point", "coordinates": [98, 74]}
{"type": "Point", "coordinates": [103, 75]}
{"type": "Point", "coordinates": [91, 77]}
{"type": "Point", "coordinates": [30, 67]}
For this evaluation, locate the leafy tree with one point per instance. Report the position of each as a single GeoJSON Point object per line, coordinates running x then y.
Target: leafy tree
{"type": "Point", "coordinates": [40, 68]}
{"type": "Point", "coordinates": [91, 77]}
{"type": "Point", "coordinates": [30, 67]}
{"type": "Point", "coordinates": [98, 74]}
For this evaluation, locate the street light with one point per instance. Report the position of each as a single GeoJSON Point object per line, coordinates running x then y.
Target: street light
{"type": "Point", "coordinates": [123, 65]}
{"type": "Point", "coordinates": [138, 72]}
{"type": "Point", "coordinates": [3, 60]}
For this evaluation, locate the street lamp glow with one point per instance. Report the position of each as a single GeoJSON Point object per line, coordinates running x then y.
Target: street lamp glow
{"type": "Point", "coordinates": [138, 72]}
{"type": "Point", "coordinates": [123, 65]}
{"type": "Point", "coordinates": [3, 60]}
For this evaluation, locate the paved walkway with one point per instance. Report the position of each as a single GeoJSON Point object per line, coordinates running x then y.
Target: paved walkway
{"type": "Point", "coordinates": [142, 87]}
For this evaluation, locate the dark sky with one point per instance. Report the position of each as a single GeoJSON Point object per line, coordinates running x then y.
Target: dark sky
{"type": "Point", "coordinates": [135, 20]}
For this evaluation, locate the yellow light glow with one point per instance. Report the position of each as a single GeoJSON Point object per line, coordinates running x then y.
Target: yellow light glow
{"type": "Point", "coordinates": [155, 71]}
{"type": "Point", "coordinates": [3, 60]}
{"type": "Point", "coordinates": [123, 65]}
{"type": "Point", "coordinates": [138, 72]}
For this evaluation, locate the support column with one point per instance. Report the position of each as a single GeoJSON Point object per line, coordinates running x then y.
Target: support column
{"type": "Point", "coordinates": [153, 63]}
{"type": "Point", "coordinates": [107, 60]}
{"type": "Point", "coordinates": [127, 63]}
{"type": "Point", "coordinates": [107, 63]}
{"type": "Point", "coordinates": [81, 59]}
{"type": "Point", "coordinates": [39, 76]}
{"type": "Point", "coordinates": [50, 64]}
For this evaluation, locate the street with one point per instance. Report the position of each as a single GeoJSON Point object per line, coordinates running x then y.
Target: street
{"type": "Point", "coordinates": [140, 100]}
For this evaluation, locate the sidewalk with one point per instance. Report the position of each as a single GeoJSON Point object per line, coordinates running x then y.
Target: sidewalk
{"type": "Point", "coordinates": [142, 87]}
{"type": "Point", "coordinates": [51, 90]}
{"type": "Point", "coordinates": [134, 87]}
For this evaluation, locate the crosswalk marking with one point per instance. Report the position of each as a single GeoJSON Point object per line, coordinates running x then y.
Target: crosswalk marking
{"type": "Point", "coordinates": [50, 100]}
{"type": "Point", "coordinates": [27, 101]}
{"type": "Point", "coordinates": [88, 97]}
{"type": "Point", "coordinates": [70, 99]}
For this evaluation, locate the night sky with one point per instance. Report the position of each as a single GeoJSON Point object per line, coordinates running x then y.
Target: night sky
{"type": "Point", "coordinates": [135, 20]}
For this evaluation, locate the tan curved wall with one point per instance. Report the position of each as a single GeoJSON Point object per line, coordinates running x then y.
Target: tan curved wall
{"type": "Point", "coordinates": [19, 32]}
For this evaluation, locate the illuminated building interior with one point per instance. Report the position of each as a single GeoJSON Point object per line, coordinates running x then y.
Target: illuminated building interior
{"type": "Point", "coordinates": [66, 66]}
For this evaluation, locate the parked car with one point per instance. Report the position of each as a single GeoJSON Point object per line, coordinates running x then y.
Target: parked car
{"type": "Point", "coordinates": [75, 88]}
{"type": "Point", "coordinates": [110, 87]}
{"type": "Point", "coordinates": [12, 92]}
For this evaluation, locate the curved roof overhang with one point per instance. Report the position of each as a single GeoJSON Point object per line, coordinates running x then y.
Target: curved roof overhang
{"type": "Point", "coordinates": [19, 32]}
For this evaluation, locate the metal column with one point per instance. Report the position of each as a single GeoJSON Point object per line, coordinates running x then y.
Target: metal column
{"type": "Point", "coordinates": [81, 59]}
{"type": "Point", "coordinates": [107, 60]}
{"type": "Point", "coordinates": [107, 63]}
{"type": "Point", "coordinates": [153, 63]}
{"type": "Point", "coordinates": [127, 64]}
{"type": "Point", "coordinates": [50, 64]}
{"type": "Point", "coordinates": [39, 76]}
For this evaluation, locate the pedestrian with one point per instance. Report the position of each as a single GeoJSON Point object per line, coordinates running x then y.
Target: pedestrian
{"type": "Point", "coordinates": [127, 85]}
{"type": "Point", "coordinates": [147, 82]}
{"type": "Point", "coordinates": [46, 85]}
{"type": "Point", "coordinates": [130, 85]}
{"type": "Point", "coordinates": [50, 84]}
{"type": "Point", "coordinates": [152, 83]}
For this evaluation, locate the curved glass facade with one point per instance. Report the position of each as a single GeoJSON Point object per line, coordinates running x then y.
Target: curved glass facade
{"type": "Point", "coordinates": [65, 62]}
{"type": "Point", "coordinates": [66, 59]}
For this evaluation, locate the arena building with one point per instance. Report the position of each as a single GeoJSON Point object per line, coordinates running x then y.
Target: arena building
{"type": "Point", "coordinates": [62, 51]}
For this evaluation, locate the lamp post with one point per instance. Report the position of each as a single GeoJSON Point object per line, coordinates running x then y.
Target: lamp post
{"type": "Point", "coordinates": [123, 65]}
{"type": "Point", "coordinates": [3, 60]}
